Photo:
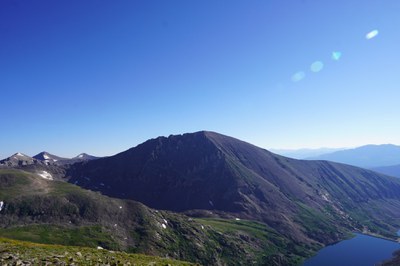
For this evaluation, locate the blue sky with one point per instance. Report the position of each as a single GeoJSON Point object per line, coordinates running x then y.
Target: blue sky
{"type": "Point", "coordinates": [103, 76]}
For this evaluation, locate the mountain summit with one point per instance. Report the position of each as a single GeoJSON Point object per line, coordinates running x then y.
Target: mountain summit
{"type": "Point", "coordinates": [205, 170]}
{"type": "Point", "coordinates": [48, 157]}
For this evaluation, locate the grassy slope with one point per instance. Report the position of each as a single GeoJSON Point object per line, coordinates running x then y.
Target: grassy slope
{"type": "Point", "coordinates": [13, 252]}
{"type": "Point", "coordinates": [270, 243]}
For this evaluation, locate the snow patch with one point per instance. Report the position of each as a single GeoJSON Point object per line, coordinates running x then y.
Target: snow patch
{"type": "Point", "coordinates": [237, 219]}
{"type": "Point", "coordinates": [46, 157]}
{"type": "Point", "coordinates": [164, 226]}
{"type": "Point", "coordinates": [45, 175]}
{"type": "Point", "coordinates": [325, 196]}
{"type": "Point", "coordinates": [80, 156]}
{"type": "Point", "coordinates": [1, 205]}
{"type": "Point", "coordinates": [120, 207]}
{"type": "Point", "coordinates": [99, 247]}
{"type": "Point", "coordinates": [165, 221]}
{"type": "Point", "coordinates": [202, 227]}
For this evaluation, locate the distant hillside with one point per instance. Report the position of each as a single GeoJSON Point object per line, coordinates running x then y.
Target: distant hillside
{"type": "Point", "coordinates": [368, 156]}
{"type": "Point", "coordinates": [18, 159]}
{"type": "Point", "coordinates": [42, 159]}
{"type": "Point", "coordinates": [393, 170]}
{"type": "Point", "coordinates": [304, 153]}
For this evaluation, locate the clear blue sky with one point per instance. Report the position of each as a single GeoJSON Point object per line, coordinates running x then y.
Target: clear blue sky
{"type": "Point", "coordinates": [103, 76]}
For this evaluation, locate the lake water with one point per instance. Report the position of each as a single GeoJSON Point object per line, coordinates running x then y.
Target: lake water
{"type": "Point", "coordinates": [362, 250]}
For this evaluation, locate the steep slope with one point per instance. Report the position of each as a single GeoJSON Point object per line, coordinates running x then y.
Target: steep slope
{"type": "Point", "coordinates": [306, 201]}
{"type": "Point", "coordinates": [393, 170]}
{"type": "Point", "coordinates": [368, 156]}
{"type": "Point", "coordinates": [52, 212]}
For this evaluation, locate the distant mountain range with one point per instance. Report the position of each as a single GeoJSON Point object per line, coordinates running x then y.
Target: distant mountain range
{"type": "Point", "coordinates": [393, 170]}
{"type": "Point", "coordinates": [43, 158]}
{"type": "Point", "coordinates": [369, 156]}
{"type": "Point", "coordinates": [304, 153]}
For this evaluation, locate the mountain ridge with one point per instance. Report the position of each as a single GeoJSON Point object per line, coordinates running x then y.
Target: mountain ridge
{"type": "Point", "coordinates": [212, 172]}
{"type": "Point", "coordinates": [367, 156]}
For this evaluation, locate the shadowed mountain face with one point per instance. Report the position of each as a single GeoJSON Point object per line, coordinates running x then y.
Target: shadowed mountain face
{"type": "Point", "coordinates": [305, 200]}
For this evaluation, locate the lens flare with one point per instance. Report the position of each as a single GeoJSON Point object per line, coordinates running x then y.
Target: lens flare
{"type": "Point", "coordinates": [336, 56]}
{"type": "Point", "coordinates": [317, 66]}
{"type": "Point", "coordinates": [298, 76]}
{"type": "Point", "coordinates": [372, 34]}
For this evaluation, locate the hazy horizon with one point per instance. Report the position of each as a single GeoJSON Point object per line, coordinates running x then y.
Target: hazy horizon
{"type": "Point", "coordinates": [275, 150]}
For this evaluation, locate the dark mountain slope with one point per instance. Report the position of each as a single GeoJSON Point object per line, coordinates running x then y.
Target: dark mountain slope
{"type": "Point", "coordinates": [306, 201]}
{"type": "Point", "coordinates": [368, 156]}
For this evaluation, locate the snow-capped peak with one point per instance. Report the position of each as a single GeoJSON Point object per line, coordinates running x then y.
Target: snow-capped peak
{"type": "Point", "coordinates": [18, 154]}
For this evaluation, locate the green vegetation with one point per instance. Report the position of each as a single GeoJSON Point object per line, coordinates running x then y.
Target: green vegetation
{"type": "Point", "coordinates": [55, 212]}
{"type": "Point", "coordinates": [15, 252]}
{"type": "Point", "coordinates": [268, 246]}
{"type": "Point", "coordinates": [87, 236]}
{"type": "Point", "coordinates": [13, 182]}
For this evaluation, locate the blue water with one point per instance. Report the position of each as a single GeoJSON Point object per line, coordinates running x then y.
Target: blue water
{"type": "Point", "coordinates": [362, 250]}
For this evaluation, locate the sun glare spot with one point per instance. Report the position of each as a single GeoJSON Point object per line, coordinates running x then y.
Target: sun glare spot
{"type": "Point", "coordinates": [298, 76]}
{"type": "Point", "coordinates": [371, 34]}
{"type": "Point", "coordinates": [317, 66]}
{"type": "Point", "coordinates": [336, 56]}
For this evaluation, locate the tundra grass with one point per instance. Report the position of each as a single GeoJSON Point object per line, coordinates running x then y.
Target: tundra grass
{"type": "Point", "coordinates": [15, 252]}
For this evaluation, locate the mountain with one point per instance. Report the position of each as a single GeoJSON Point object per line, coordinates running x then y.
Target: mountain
{"type": "Point", "coordinates": [368, 156]}
{"type": "Point", "coordinates": [304, 153]}
{"type": "Point", "coordinates": [85, 156]}
{"type": "Point", "coordinates": [79, 158]}
{"type": "Point", "coordinates": [43, 159]}
{"type": "Point", "coordinates": [48, 158]}
{"type": "Point", "coordinates": [393, 170]}
{"type": "Point", "coordinates": [18, 159]}
{"type": "Point", "coordinates": [36, 209]}
{"type": "Point", "coordinates": [307, 202]}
